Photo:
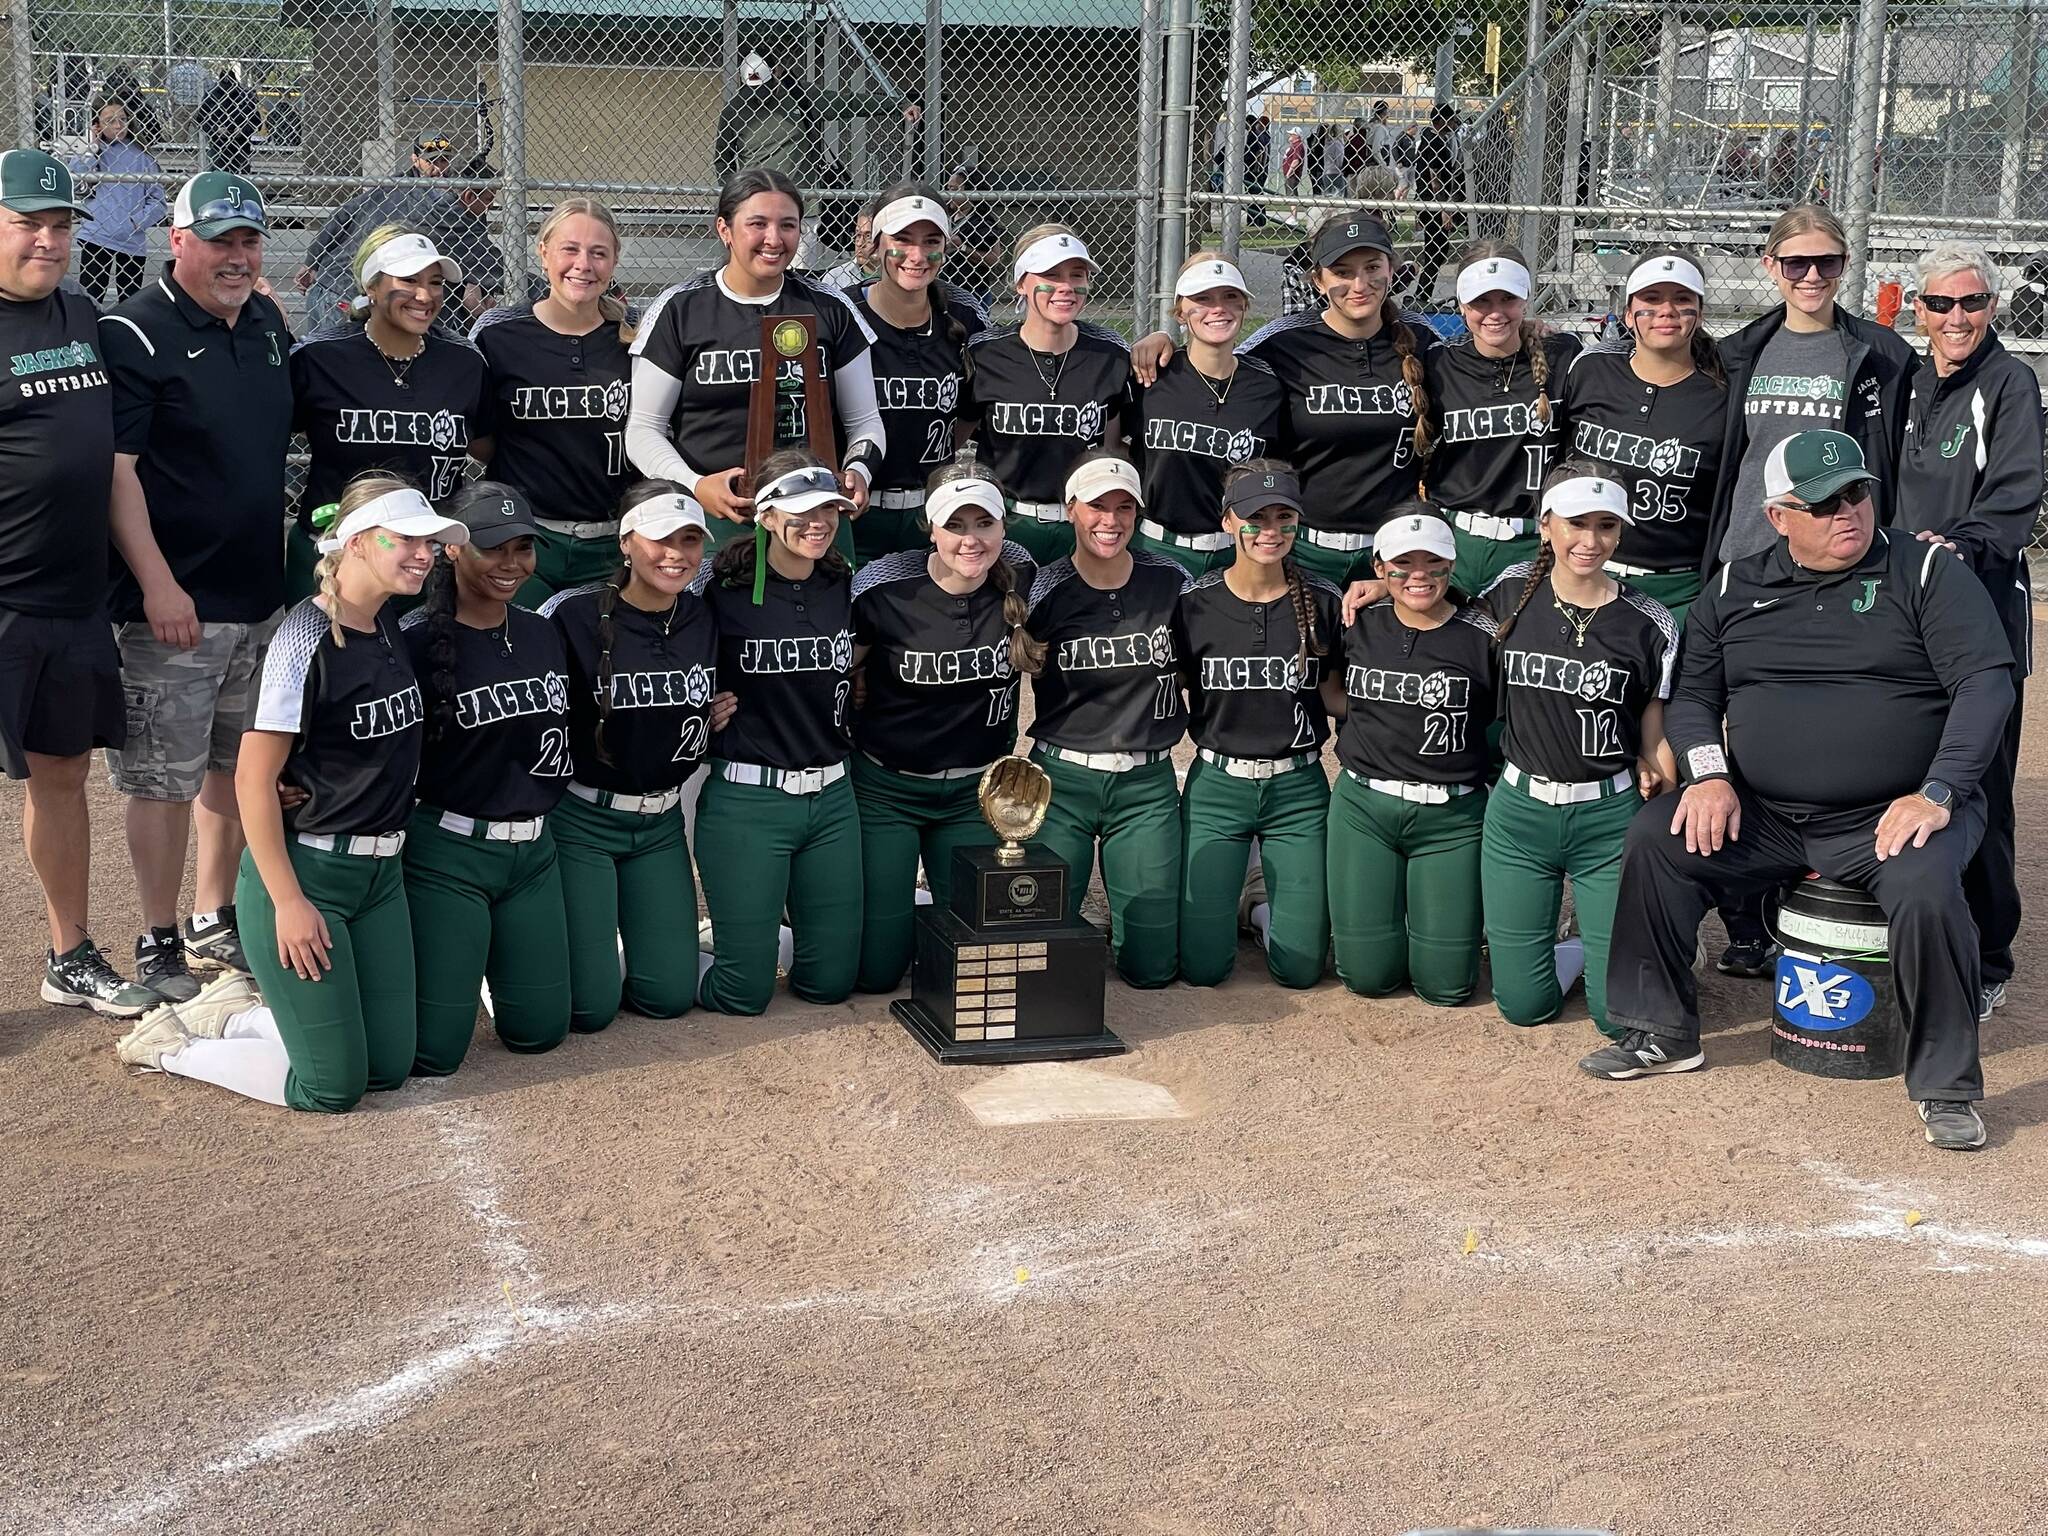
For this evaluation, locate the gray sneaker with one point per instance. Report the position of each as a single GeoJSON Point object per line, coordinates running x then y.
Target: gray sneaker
{"type": "Point", "coordinates": [1953, 1124]}
{"type": "Point", "coordinates": [1640, 1054]}
{"type": "Point", "coordinates": [1989, 999]}
{"type": "Point", "coordinates": [160, 965]}
{"type": "Point", "coordinates": [81, 978]}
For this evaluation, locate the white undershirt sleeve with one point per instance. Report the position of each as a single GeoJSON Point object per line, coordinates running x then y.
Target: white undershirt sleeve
{"type": "Point", "coordinates": [853, 391]}
{"type": "Point", "coordinates": [648, 445]}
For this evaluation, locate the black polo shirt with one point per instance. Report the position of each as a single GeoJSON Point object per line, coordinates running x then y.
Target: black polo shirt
{"type": "Point", "coordinates": [206, 408]}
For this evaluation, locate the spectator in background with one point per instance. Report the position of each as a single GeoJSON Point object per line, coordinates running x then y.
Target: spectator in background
{"type": "Point", "coordinates": [980, 253]}
{"type": "Point", "coordinates": [1330, 150]}
{"type": "Point", "coordinates": [1358, 153]}
{"type": "Point", "coordinates": [1439, 178]}
{"type": "Point", "coordinates": [1402, 150]}
{"type": "Point", "coordinates": [228, 119]}
{"type": "Point", "coordinates": [143, 124]}
{"type": "Point", "coordinates": [281, 125]}
{"type": "Point", "coordinates": [114, 243]}
{"type": "Point", "coordinates": [1292, 161]}
{"type": "Point", "coordinates": [422, 203]}
{"type": "Point", "coordinates": [476, 249]}
{"type": "Point", "coordinates": [858, 268]}
{"type": "Point", "coordinates": [1258, 163]}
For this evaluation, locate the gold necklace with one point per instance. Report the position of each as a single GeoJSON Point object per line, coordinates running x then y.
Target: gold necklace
{"type": "Point", "coordinates": [1570, 613]}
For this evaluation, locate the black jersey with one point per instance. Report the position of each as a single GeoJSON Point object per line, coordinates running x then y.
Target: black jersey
{"type": "Point", "coordinates": [700, 334]}
{"type": "Point", "coordinates": [360, 411]}
{"type": "Point", "coordinates": [56, 458]}
{"type": "Point", "coordinates": [1489, 445]}
{"type": "Point", "coordinates": [503, 754]}
{"type": "Point", "coordinates": [1350, 426]}
{"type": "Point", "coordinates": [560, 404]}
{"type": "Point", "coordinates": [1190, 429]}
{"type": "Point", "coordinates": [1574, 712]}
{"type": "Point", "coordinates": [941, 692]}
{"type": "Point", "coordinates": [1248, 693]}
{"type": "Point", "coordinates": [1419, 700]}
{"type": "Point", "coordinates": [663, 673]}
{"type": "Point", "coordinates": [1035, 413]}
{"type": "Point", "coordinates": [919, 378]}
{"type": "Point", "coordinates": [1662, 444]}
{"type": "Point", "coordinates": [1111, 681]}
{"type": "Point", "coordinates": [789, 662]}
{"type": "Point", "coordinates": [354, 714]}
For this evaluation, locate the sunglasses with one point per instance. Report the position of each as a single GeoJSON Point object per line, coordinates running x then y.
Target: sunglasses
{"type": "Point", "coordinates": [434, 149]}
{"type": "Point", "coordinates": [1942, 303]}
{"type": "Point", "coordinates": [1849, 496]}
{"type": "Point", "coordinates": [1796, 267]}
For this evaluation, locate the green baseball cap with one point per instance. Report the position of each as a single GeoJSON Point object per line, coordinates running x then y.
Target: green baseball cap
{"type": "Point", "coordinates": [32, 182]}
{"type": "Point", "coordinates": [214, 202]}
{"type": "Point", "coordinates": [1814, 465]}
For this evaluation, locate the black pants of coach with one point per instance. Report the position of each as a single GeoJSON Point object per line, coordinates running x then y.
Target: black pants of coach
{"type": "Point", "coordinates": [1665, 891]}
{"type": "Point", "coordinates": [1992, 882]}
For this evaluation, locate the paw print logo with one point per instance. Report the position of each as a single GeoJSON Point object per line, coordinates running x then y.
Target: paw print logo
{"type": "Point", "coordinates": [842, 651]}
{"type": "Point", "coordinates": [1435, 691]}
{"type": "Point", "coordinates": [441, 431]}
{"type": "Point", "coordinates": [616, 398]}
{"type": "Point", "coordinates": [949, 392]}
{"type": "Point", "coordinates": [1091, 420]}
{"type": "Point", "coordinates": [1162, 647]}
{"type": "Point", "coordinates": [1242, 446]}
{"type": "Point", "coordinates": [1593, 681]}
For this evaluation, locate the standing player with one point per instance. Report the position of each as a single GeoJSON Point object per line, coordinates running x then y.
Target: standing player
{"type": "Point", "coordinates": [1416, 693]}
{"type": "Point", "coordinates": [933, 640]}
{"type": "Point", "coordinates": [642, 656]}
{"type": "Point", "coordinates": [1044, 392]}
{"type": "Point", "coordinates": [1107, 690]}
{"type": "Point", "coordinates": [481, 877]}
{"type": "Point", "coordinates": [1491, 430]}
{"type": "Point", "coordinates": [777, 829]}
{"type": "Point", "coordinates": [559, 372]}
{"type": "Point", "coordinates": [699, 350]}
{"type": "Point", "coordinates": [60, 676]}
{"type": "Point", "coordinates": [921, 327]}
{"type": "Point", "coordinates": [1205, 409]}
{"type": "Point", "coordinates": [1585, 667]}
{"type": "Point", "coordinates": [388, 393]}
{"type": "Point", "coordinates": [1252, 639]}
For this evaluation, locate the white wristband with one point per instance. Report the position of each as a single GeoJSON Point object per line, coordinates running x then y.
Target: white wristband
{"type": "Point", "coordinates": [1702, 762]}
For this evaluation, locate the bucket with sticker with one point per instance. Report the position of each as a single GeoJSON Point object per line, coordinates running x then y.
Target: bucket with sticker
{"type": "Point", "coordinates": [1835, 1011]}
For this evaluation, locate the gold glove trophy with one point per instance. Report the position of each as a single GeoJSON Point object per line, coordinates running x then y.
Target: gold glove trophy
{"type": "Point", "coordinates": [1003, 973]}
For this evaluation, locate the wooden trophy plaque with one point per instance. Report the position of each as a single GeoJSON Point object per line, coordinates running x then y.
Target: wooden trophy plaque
{"type": "Point", "coordinates": [790, 400]}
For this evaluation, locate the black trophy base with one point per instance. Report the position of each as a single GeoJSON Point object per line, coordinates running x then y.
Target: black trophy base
{"type": "Point", "coordinates": [929, 1033]}
{"type": "Point", "coordinates": [1000, 995]}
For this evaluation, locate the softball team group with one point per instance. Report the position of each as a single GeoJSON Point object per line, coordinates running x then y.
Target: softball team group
{"type": "Point", "coordinates": [475, 761]}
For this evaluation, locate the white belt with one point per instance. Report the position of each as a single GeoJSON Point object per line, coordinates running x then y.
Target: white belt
{"type": "Point", "coordinates": [526, 831]}
{"type": "Point", "coordinates": [606, 530]}
{"type": "Point", "coordinates": [791, 781]}
{"type": "Point", "coordinates": [1556, 792]}
{"type": "Point", "coordinates": [1616, 568]}
{"type": "Point", "coordinates": [639, 805]}
{"type": "Point", "coordinates": [1044, 511]}
{"type": "Point", "coordinates": [1206, 542]}
{"type": "Point", "coordinates": [1346, 543]}
{"type": "Point", "coordinates": [1257, 767]}
{"type": "Point", "coordinates": [943, 773]}
{"type": "Point", "coordinates": [895, 500]}
{"type": "Point", "coordinates": [1103, 762]}
{"type": "Point", "coordinates": [382, 846]}
{"type": "Point", "coordinates": [1409, 789]}
{"type": "Point", "coordinates": [1484, 525]}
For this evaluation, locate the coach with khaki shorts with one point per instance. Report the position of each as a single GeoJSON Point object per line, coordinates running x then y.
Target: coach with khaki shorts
{"type": "Point", "coordinates": [202, 418]}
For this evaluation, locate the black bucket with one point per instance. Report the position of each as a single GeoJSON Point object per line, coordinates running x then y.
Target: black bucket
{"type": "Point", "coordinates": [1836, 1010]}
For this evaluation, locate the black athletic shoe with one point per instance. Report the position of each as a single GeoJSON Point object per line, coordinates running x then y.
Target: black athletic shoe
{"type": "Point", "coordinates": [1748, 957]}
{"type": "Point", "coordinates": [81, 978]}
{"type": "Point", "coordinates": [1640, 1054]}
{"type": "Point", "coordinates": [160, 965]}
{"type": "Point", "coordinates": [218, 943]}
{"type": "Point", "coordinates": [1953, 1124]}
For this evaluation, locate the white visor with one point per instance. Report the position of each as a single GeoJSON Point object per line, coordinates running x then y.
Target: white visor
{"type": "Point", "coordinates": [1414, 534]}
{"type": "Point", "coordinates": [1047, 252]}
{"type": "Point", "coordinates": [661, 516]}
{"type": "Point", "coordinates": [404, 512]}
{"type": "Point", "coordinates": [1496, 274]}
{"type": "Point", "coordinates": [896, 217]}
{"type": "Point", "coordinates": [801, 490]}
{"type": "Point", "coordinates": [408, 256]}
{"type": "Point", "coordinates": [1098, 477]}
{"type": "Point", "coordinates": [957, 495]}
{"type": "Point", "coordinates": [1587, 493]}
{"type": "Point", "coordinates": [1665, 269]}
{"type": "Point", "coordinates": [1205, 275]}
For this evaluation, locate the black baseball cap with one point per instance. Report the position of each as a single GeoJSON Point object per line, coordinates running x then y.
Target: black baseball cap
{"type": "Point", "coordinates": [1248, 493]}
{"type": "Point", "coordinates": [1355, 232]}
{"type": "Point", "coordinates": [434, 146]}
{"type": "Point", "coordinates": [496, 517]}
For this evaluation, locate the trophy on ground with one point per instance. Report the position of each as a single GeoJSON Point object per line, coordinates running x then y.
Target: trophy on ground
{"type": "Point", "coordinates": [1003, 974]}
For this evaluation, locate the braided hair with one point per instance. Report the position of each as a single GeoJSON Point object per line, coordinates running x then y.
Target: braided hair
{"type": "Point", "coordinates": [1532, 348]}
{"type": "Point", "coordinates": [1313, 643]}
{"type": "Point", "coordinates": [1546, 556]}
{"type": "Point", "coordinates": [734, 566]}
{"type": "Point", "coordinates": [360, 491]}
{"type": "Point", "coordinates": [1002, 575]}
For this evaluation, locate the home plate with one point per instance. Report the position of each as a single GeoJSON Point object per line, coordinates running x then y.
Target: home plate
{"type": "Point", "coordinates": [1035, 1092]}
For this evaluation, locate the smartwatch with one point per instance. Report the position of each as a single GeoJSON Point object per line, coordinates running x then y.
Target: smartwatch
{"type": "Point", "coordinates": [1934, 792]}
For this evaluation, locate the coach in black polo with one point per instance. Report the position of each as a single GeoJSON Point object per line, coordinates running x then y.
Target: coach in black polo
{"type": "Point", "coordinates": [199, 362]}
{"type": "Point", "coordinates": [1865, 681]}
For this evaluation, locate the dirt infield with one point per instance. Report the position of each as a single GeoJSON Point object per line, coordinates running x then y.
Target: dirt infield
{"type": "Point", "coordinates": [1383, 1267]}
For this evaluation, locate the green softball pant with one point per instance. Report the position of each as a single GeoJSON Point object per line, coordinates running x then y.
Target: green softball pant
{"type": "Point", "coordinates": [1674, 589]}
{"type": "Point", "coordinates": [1196, 562]}
{"type": "Point", "coordinates": [562, 561]}
{"type": "Point", "coordinates": [301, 564]}
{"type": "Point", "coordinates": [1220, 815]}
{"type": "Point", "coordinates": [355, 1029]}
{"type": "Point", "coordinates": [1529, 849]}
{"type": "Point", "coordinates": [763, 852]}
{"type": "Point", "coordinates": [883, 531]}
{"type": "Point", "coordinates": [1404, 893]}
{"type": "Point", "coordinates": [904, 818]}
{"type": "Point", "coordinates": [1135, 819]}
{"type": "Point", "coordinates": [482, 908]}
{"type": "Point", "coordinates": [1333, 565]}
{"type": "Point", "coordinates": [1480, 560]}
{"type": "Point", "coordinates": [1044, 542]}
{"type": "Point", "coordinates": [626, 881]}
